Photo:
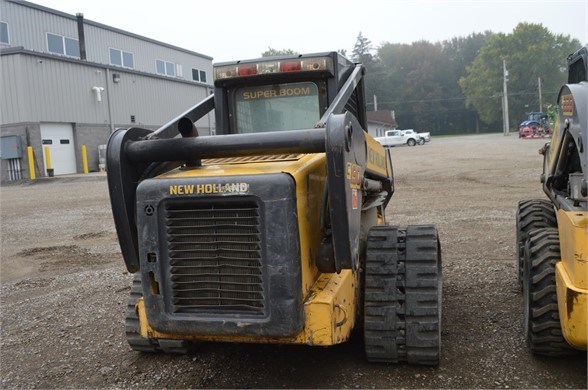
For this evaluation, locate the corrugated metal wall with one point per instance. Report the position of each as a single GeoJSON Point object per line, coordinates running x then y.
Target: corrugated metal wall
{"type": "Point", "coordinates": [29, 27]}
{"type": "Point", "coordinates": [98, 42]}
{"type": "Point", "coordinates": [153, 101]}
{"type": "Point", "coordinates": [52, 91]}
{"type": "Point", "coordinates": [40, 89]}
{"type": "Point", "coordinates": [12, 102]}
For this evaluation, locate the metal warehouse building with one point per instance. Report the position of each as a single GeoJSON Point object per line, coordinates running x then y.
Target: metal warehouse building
{"type": "Point", "coordinates": [67, 82]}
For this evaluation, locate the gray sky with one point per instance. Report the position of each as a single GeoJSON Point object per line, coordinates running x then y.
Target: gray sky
{"type": "Point", "coordinates": [230, 30]}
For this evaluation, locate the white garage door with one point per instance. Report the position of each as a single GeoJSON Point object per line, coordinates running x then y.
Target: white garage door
{"type": "Point", "coordinates": [59, 138]}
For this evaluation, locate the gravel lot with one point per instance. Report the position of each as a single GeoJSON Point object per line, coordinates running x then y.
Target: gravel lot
{"type": "Point", "coordinates": [64, 288]}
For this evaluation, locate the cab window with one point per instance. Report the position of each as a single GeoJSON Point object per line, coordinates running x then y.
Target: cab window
{"type": "Point", "coordinates": [276, 107]}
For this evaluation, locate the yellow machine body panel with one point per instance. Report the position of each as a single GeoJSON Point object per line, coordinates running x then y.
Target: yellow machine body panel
{"type": "Point", "coordinates": [329, 310]}
{"type": "Point", "coordinates": [553, 145]}
{"type": "Point", "coordinates": [573, 309]}
{"type": "Point", "coordinates": [377, 163]}
{"type": "Point", "coordinates": [573, 237]}
{"type": "Point", "coordinates": [572, 277]}
{"type": "Point", "coordinates": [330, 299]}
{"type": "Point", "coordinates": [310, 174]}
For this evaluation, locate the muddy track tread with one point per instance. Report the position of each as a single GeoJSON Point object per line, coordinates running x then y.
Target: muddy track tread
{"type": "Point", "coordinates": [541, 314]}
{"type": "Point", "coordinates": [423, 292]}
{"type": "Point", "coordinates": [531, 215]}
{"type": "Point", "coordinates": [402, 296]}
{"type": "Point", "coordinates": [383, 299]}
{"type": "Point", "coordinates": [133, 334]}
{"type": "Point", "coordinates": [134, 338]}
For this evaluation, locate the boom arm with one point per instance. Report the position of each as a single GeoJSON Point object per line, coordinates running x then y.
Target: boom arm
{"type": "Point", "coordinates": [137, 154]}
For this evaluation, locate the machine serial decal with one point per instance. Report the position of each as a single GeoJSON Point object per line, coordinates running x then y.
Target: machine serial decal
{"type": "Point", "coordinates": [354, 175]}
{"type": "Point", "coordinates": [354, 199]}
{"type": "Point", "coordinates": [191, 189]}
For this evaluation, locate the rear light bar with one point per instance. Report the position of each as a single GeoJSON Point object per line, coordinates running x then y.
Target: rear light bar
{"type": "Point", "coordinates": [267, 67]}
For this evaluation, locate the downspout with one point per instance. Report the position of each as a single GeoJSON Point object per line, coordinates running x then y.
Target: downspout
{"type": "Point", "coordinates": [81, 36]}
{"type": "Point", "coordinates": [109, 99]}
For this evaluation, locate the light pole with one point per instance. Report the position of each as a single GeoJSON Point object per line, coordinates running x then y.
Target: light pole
{"type": "Point", "coordinates": [540, 97]}
{"type": "Point", "coordinates": [505, 97]}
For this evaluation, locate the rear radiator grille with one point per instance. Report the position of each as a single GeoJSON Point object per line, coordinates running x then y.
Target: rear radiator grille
{"type": "Point", "coordinates": [215, 258]}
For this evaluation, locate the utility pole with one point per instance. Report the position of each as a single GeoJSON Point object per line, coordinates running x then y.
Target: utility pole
{"type": "Point", "coordinates": [505, 97]}
{"type": "Point", "coordinates": [503, 111]}
{"type": "Point", "coordinates": [375, 103]}
{"type": "Point", "coordinates": [540, 97]}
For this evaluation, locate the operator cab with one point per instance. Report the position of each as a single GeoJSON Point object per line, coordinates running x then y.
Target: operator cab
{"type": "Point", "coordinates": [279, 93]}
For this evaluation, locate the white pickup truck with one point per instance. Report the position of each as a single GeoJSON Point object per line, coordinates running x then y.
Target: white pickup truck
{"type": "Point", "coordinates": [425, 137]}
{"type": "Point", "coordinates": [397, 138]}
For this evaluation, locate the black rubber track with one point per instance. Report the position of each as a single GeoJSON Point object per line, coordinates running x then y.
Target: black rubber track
{"type": "Point", "coordinates": [531, 215]}
{"type": "Point", "coordinates": [402, 296]}
{"type": "Point", "coordinates": [132, 329]}
{"type": "Point", "coordinates": [423, 295]}
{"type": "Point", "coordinates": [541, 317]}
{"type": "Point", "coordinates": [383, 326]}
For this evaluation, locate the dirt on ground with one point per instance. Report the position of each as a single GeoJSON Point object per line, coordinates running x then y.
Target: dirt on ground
{"type": "Point", "coordinates": [64, 288]}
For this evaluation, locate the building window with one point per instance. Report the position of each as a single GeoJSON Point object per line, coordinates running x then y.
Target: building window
{"type": "Point", "coordinates": [122, 58]}
{"type": "Point", "coordinates": [4, 33]}
{"type": "Point", "coordinates": [165, 68]}
{"type": "Point", "coordinates": [198, 75]}
{"type": "Point", "coordinates": [170, 69]}
{"type": "Point", "coordinates": [55, 44]}
{"type": "Point", "coordinates": [58, 44]}
{"type": "Point", "coordinates": [128, 59]}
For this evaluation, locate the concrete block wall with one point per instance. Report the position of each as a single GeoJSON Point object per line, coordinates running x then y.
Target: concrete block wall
{"type": "Point", "coordinates": [90, 135]}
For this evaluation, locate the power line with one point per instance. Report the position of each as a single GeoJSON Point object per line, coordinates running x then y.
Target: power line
{"type": "Point", "coordinates": [494, 96]}
{"type": "Point", "coordinates": [448, 111]}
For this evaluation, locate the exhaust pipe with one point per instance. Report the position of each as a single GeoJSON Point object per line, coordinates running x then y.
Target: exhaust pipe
{"type": "Point", "coordinates": [81, 36]}
{"type": "Point", "coordinates": [188, 129]}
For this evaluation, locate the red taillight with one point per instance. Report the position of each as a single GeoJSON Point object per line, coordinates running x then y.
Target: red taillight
{"type": "Point", "coordinates": [312, 64]}
{"type": "Point", "coordinates": [567, 105]}
{"type": "Point", "coordinates": [247, 69]}
{"type": "Point", "coordinates": [290, 66]}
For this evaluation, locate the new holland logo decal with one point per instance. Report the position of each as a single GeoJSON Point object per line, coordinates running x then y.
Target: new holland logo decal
{"type": "Point", "coordinates": [196, 189]}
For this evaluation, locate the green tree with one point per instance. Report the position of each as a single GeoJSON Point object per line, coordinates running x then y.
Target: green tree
{"type": "Point", "coordinates": [362, 51]}
{"type": "Point", "coordinates": [271, 52]}
{"type": "Point", "coordinates": [460, 52]}
{"type": "Point", "coordinates": [530, 51]}
{"type": "Point", "coordinates": [419, 81]}
{"type": "Point", "coordinates": [411, 83]}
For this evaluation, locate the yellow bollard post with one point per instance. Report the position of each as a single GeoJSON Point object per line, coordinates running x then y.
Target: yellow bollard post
{"type": "Point", "coordinates": [48, 161]}
{"type": "Point", "coordinates": [32, 173]}
{"type": "Point", "coordinates": [85, 158]}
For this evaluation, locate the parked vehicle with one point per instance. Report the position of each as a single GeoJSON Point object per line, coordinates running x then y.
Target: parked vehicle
{"type": "Point", "coordinates": [425, 137]}
{"type": "Point", "coordinates": [397, 138]}
{"type": "Point", "coordinates": [551, 234]}
{"type": "Point", "coordinates": [536, 126]}
{"type": "Point", "coordinates": [274, 230]}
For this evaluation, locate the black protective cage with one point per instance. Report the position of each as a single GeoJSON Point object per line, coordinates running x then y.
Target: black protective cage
{"type": "Point", "coordinates": [138, 154]}
{"type": "Point", "coordinates": [342, 68]}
